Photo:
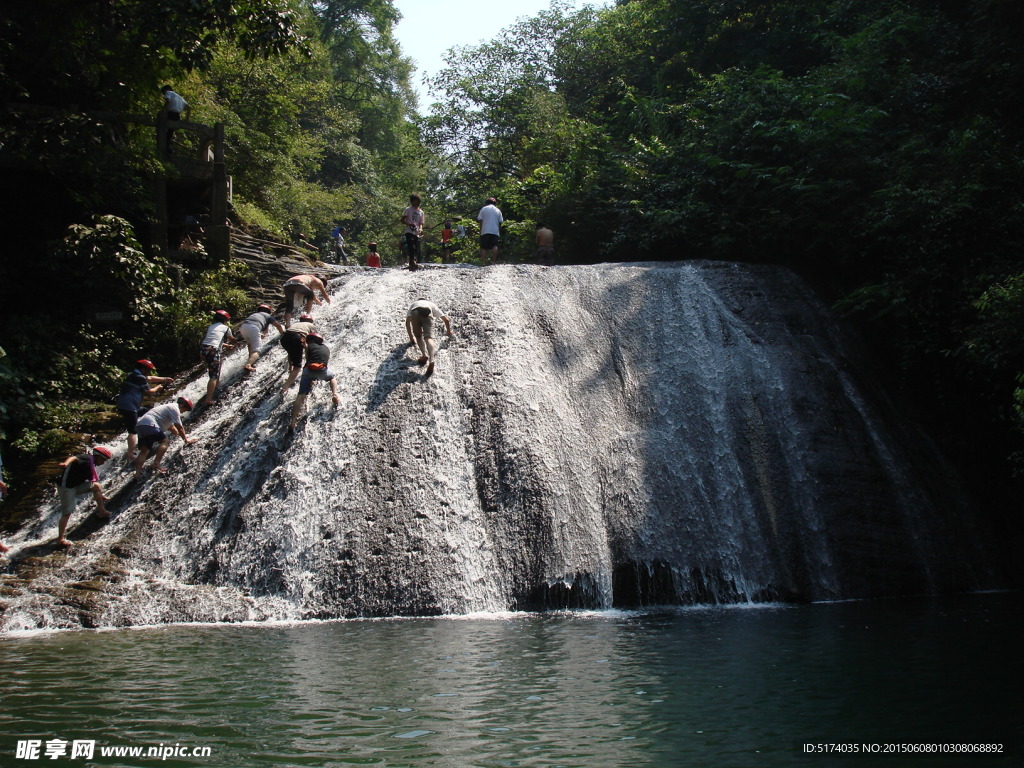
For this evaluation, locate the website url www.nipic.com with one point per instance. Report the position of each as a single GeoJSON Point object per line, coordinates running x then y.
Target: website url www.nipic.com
{"type": "Point", "coordinates": [86, 749]}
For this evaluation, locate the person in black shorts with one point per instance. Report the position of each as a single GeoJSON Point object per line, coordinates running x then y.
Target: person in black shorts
{"type": "Point", "coordinates": [294, 343]}
{"type": "Point", "coordinates": [137, 385]}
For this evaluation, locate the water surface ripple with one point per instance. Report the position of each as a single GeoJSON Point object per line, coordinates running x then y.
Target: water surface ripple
{"type": "Point", "coordinates": [683, 687]}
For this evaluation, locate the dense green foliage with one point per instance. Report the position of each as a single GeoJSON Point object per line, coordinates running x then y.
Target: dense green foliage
{"type": "Point", "coordinates": [315, 99]}
{"type": "Point", "coordinates": [873, 146]}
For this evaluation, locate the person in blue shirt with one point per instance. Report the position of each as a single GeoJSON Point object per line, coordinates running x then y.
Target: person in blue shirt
{"type": "Point", "coordinates": [129, 401]}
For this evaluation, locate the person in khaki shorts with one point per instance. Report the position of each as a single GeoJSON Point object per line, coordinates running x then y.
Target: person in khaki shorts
{"type": "Point", "coordinates": [419, 324]}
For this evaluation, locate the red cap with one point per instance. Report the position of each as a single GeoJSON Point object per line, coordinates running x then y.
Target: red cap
{"type": "Point", "coordinates": [305, 319]}
{"type": "Point", "coordinates": [222, 314]}
{"type": "Point", "coordinates": [147, 364]}
{"type": "Point", "coordinates": [105, 452]}
{"type": "Point", "coordinates": [184, 402]}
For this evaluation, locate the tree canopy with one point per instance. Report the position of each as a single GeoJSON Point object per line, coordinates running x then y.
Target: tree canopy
{"type": "Point", "coordinates": [873, 146]}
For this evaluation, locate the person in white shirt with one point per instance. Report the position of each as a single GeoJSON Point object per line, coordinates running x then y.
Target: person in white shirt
{"type": "Point", "coordinates": [209, 351]}
{"type": "Point", "coordinates": [153, 428]}
{"type": "Point", "coordinates": [175, 107]}
{"type": "Point", "coordinates": [490, 219]}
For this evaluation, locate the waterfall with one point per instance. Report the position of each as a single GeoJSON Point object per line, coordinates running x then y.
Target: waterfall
{"type": "Point", "coordinates": [593, 436]}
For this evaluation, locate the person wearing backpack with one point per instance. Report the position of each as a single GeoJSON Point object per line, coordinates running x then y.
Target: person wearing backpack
{"type": "Point", "coordinates": [78, 476]}
{"type": "Point", "coordinates": [318, 356]}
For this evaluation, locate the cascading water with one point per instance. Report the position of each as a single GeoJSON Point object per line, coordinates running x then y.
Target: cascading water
{"type": "Point", "coordinates": [592, 436]}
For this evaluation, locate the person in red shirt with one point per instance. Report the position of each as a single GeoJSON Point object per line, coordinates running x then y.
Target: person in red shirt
{"type": "Point", "coordinates": [446, 241]}
{"type": "Point", "coordinates": [373, 258]}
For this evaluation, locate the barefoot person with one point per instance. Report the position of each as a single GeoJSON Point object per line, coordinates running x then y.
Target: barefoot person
{"type": "Point", "coordinates": [254, 328]}
{"type": "Point", "coordinates": [294, 343]}
{"type": "Point", "coordinates": [490, 219]}
{"type": "Point", "coordinates": [3, 493]}
{"type": "Point", "coordinates": [302, 289]}
{"type": "Point", "coordinates": [153, 429]}
{"type": "Point", "coordinates": [137, 385]}
{"type": "Point", "coordinates": [545, 239]}
{"type": "Point", "coordinates": [78, 477]}
{"type": "Point", "coordinates": [419, 324]}
{"type": "Point", "coordinates": [217, 334]}
{"type": "Point", "coordinates": [318, 355]}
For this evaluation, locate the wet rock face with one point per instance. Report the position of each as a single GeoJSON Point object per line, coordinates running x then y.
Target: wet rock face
{"type": "Point", "coordinates": [593, 436]}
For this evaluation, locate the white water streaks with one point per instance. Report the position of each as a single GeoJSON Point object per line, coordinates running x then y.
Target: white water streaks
{"type": "Point", "coordinates": [593, 436]}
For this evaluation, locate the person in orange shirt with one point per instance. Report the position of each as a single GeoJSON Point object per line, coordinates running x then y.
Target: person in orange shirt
{"type": "Point", "coordinates": [373, 258]}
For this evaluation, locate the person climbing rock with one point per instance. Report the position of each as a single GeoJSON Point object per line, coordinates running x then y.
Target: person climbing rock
{"type": "Point", "coordinates": [140, 382]}
{"type": "Point", "coordinates": [294, 343]}
{"type": "Point", "coordinates": [299, 289]}
{"type": "Point", "coordinates": [419, 324]}
{"type": "Point", "coordinates": [218, 333]}
{"type": "Point", "coordinates": [78, 476]}
{"type": "Point", "coordinates": [3, 493]}
{"type": "Point", "coordinates": [318, 355]}
{"type": "Point", "coordinates": [254, 328]}
{"type": "Point", "coordinates": [153, 428]}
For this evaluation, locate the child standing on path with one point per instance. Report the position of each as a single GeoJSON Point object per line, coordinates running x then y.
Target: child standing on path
{"type": "Point", "coordinates": [414, 219]}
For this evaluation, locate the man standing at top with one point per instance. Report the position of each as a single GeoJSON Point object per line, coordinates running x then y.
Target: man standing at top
{"type": "Point", "coordinates": [339, 245]}
{"type": "Point", "coordinates": [545, 253]}
{"type": "Point", "coordinates": [419, 324]}
{"type": "Point", "coordinates": [414, 219]}
{"type": "Point", "coordinates": [299, 288]}
{"type": "Point", "coordinates": [129, 401]}
{"type": "Point", "coordinates": [175, 107]}
{"type": "Point", "coordinates": [490, 219]}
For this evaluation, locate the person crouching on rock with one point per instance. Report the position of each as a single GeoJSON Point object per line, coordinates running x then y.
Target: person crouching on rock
{"type": "Point", "coordinates": [217, 333]}
{"type": "Point", "coordinates": [153, 428]}
{"type": "Point", "coordinates": [318, 355]}
{"type": "Point", "coordinates": [300, 290]}
{"type": "Point", "coordinates": [254, 328]}
{"type": "Point", "coordinates": [419, 324]}
{"type": "Point", "coordinates": [293, 341]}
{"type": "Point", "coordinates": [78, 477]}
